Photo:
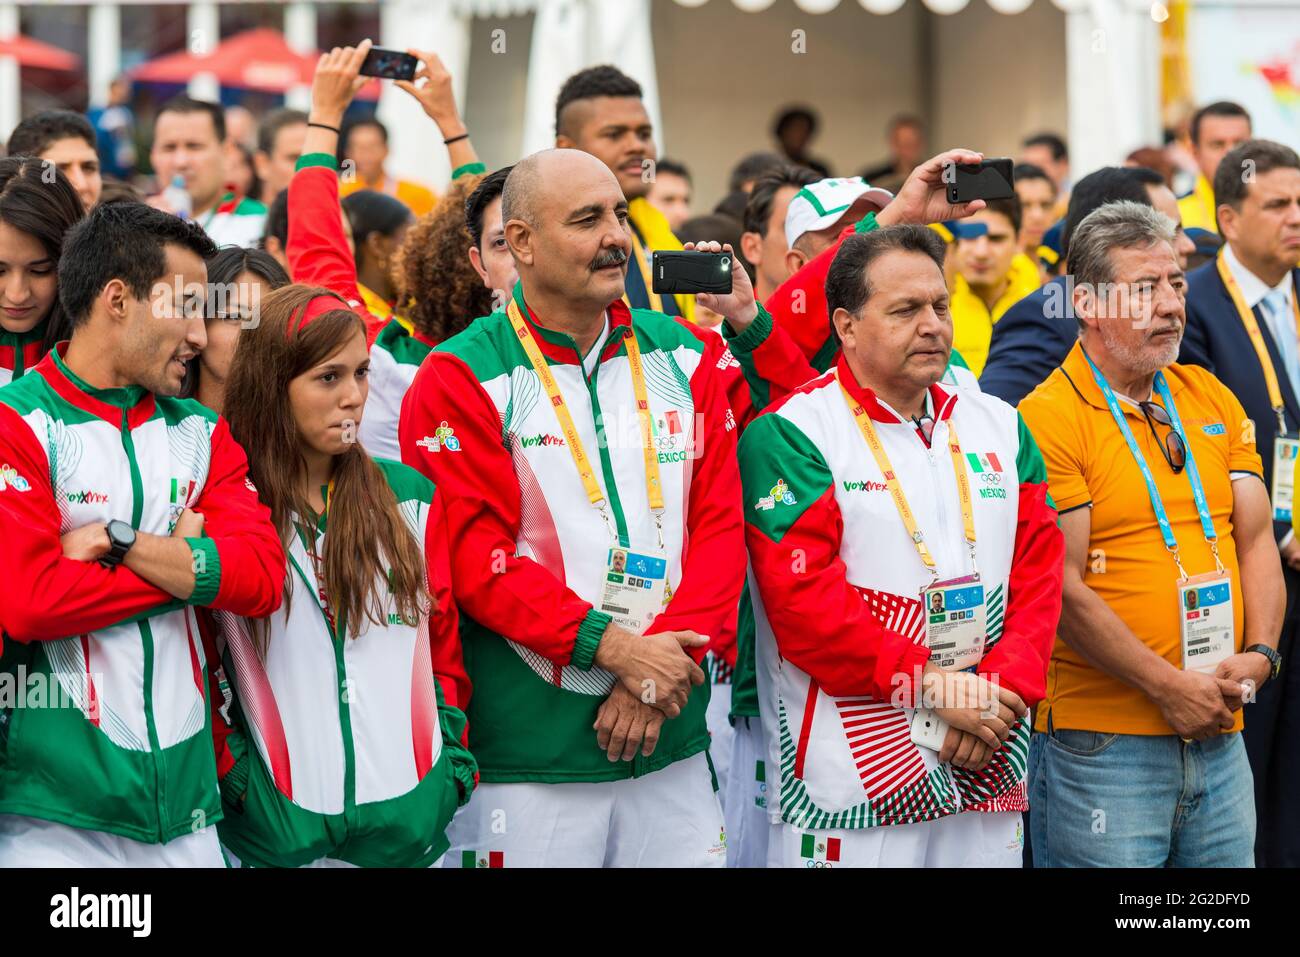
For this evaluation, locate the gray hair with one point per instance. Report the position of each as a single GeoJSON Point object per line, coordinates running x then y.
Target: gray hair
{"type": "Point", "coordinates": [1119, 225]}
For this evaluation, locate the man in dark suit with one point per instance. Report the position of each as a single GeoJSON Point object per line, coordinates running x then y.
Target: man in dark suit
{"type": "Point", "coordinates": [1037, 333]}
{"type": "Point", "coordinates": [1254, 283]}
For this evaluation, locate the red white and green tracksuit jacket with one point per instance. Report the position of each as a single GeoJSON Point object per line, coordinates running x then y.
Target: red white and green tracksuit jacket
{"type": "Point", "coordinates": [341, 747]}
{"type": "Point", "coordinates": [528, 550]}
{"type": "Point", "coordinates": [20, 351]}
{"type": "Point", "coordinates": [788, 344]}
{"type": "Point", "coordinates": [847, 622]}
{"type": "Point", "coordinates": [235, 221]}
{"type": "Point", "coordinates": [132, 753]}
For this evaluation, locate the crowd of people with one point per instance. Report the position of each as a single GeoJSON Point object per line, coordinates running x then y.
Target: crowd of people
{"type": "Point", "coordinates": [345, 524]}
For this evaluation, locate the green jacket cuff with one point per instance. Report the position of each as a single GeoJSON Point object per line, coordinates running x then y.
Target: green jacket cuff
{"type": "Point", "coordinates": [207, 571]}
{"type": "Point", "coordinates": [753, 336]}
{"type": "Point", "coordinates": [866, 224]}
{"type": "Point", "coordinates": [235, 784]}
{"type": "Point", "coordinates": [317, 159]}
{"type": "Point", "coordinates": [469, 169]}
{"type": "Point", "coordinates": [589, 631]}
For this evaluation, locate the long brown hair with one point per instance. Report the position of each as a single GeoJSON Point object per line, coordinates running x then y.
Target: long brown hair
{"type": "Point", "coordinates": [365, 524]}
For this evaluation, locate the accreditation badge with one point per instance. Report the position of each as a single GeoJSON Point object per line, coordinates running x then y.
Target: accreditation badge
{"type": "Point", "coordinates": [1205, 617]}
{"type": "Point", "coordinates": [1286, 448]}
{"type": "Point", "coordinates": [636, 583]}
{"type": "Point", "coordinates": [954, 622]}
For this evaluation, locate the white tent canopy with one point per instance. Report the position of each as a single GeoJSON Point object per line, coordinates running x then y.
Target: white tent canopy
{"type": "Point", "coordinates": [1112, 60]}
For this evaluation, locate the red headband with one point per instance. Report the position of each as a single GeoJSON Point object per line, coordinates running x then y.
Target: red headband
{"type": "Point", "coordinates": [315, 308]}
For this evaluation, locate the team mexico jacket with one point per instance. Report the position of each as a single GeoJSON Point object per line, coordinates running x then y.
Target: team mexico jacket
{"type": "Point", "coordinates": [840, 622]}
{"type": "Point", "coordinates": [20, 351]}
{"type": "Point", "coordinates": [528, 550]}
{"type": "Point", "coordinates": [345, 747]}
{"type": "Point", "coordinates": [131, 752]}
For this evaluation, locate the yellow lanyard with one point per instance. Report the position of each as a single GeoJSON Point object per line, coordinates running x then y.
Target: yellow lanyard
{"type": "Point", "coordinates": [580, 459]}
{"type": "Point", "coordinates": [638, 253]}
{"type": "Point", "coordinates": [896, 490]}
{"type": "Point", "coordinates": [1257, 338]}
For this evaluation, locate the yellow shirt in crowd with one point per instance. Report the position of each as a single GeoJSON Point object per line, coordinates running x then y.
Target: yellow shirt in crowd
{"type": "Point", "coordinates": [1197, 207]}
{"type": "Point", "coordinates": [419, 199]}
{"type": "Point", "coordinates": [1089, 463]}
{"type": "Point", "coordinates": [972, 320]}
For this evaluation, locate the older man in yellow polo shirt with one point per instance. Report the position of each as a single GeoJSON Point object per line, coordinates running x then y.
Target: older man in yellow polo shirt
{"type": "Point", "coordinates": [1173, 594]}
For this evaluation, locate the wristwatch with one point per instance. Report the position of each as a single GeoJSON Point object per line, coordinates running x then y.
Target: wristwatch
{"type": "Point", "coordinates": [121, 537]}
{"type": "Point", "coordinates": [1271, 654]}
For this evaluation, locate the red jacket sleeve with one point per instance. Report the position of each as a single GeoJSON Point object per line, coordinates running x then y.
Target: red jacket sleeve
{"type": "Point", "coordinates": [219, 696]}
{"type": "Point", "coordinates": [244, 563]}
{"type": "Point", "coordinates": [48, 596]}
{"type": "Point", "coordinates": [713, 565]}
{"type": "Point", "coordinates": [799, 304]}
{"type": "Point", "coordinates": [736, 389]}
{"type": "Point", "coordinates": [317, 247]}
{"type": "Point", "coordinates": [444, 621]}
{"type": "Point", "coordinates": [772, 363]}
{"type": "Point", "coordinates": [513, 596]}
{"type": "Point", "coordinates": [1020, 658]}
{"type": "Point", "coordinates": [821, 622]}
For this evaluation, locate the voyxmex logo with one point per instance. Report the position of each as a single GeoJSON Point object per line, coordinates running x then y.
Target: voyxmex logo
{"type": "Point", "coordinates": [87, 497]}
{"type": "Point", "coordinates": [867, 485]}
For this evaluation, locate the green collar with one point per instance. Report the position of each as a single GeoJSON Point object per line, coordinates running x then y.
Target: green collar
{"type": "Point", "coordinates": [22, 338]}
{"type": "Point", "coordinates": [562, 340]}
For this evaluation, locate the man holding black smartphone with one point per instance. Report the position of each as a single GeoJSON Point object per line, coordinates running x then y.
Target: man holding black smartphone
{"type": "Point", "coordinates": [583, 430]}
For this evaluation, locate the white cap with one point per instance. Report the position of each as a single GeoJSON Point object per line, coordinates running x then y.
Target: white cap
{"type": "Point", "coordinates": [827, 201]}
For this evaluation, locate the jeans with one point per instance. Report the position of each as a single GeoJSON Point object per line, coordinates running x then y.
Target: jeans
{"type": "Point", "coordinates": [1132, 800]}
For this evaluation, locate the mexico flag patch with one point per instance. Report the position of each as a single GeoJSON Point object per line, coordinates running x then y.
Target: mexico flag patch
{"type": "Point", "coordinates": [820, 848]}
{"type": "Point", "coordinates": [988, 462]}
{"type": "Point", "coordinates": [475, 859]}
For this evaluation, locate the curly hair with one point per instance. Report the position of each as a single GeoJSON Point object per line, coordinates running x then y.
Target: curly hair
{"type": "Point", "coordinates": [441, 292]}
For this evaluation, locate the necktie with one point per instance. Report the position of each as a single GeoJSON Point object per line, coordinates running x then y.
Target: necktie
{"type": "Point", "coordinates": [1278, 317]}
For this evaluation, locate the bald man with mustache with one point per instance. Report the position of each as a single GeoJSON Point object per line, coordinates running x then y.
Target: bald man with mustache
{"type": "Point", "coordinates": [586, 452]}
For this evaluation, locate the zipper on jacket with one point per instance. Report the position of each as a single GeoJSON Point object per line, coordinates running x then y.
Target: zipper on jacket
{"type": "Point", "coordinates": [146, 637]}
{"type": "Point", "coordinates": [345, 726]}
{"type": "Point", "coordinates": [606, 464]}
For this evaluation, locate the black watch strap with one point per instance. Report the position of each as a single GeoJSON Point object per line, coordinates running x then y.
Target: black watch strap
{"type": "Point", "coordinates": [1271, 654]}
{"type": "Point", "coordinates": [121, 537]}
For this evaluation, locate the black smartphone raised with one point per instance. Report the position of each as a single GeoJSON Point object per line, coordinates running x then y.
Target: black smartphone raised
{"type": "Point", "coordinates": [690, 271]}
{"type": "Point", "coordinates": [389, 64]}
{"type": "Point", "coordinates": [989, 179]}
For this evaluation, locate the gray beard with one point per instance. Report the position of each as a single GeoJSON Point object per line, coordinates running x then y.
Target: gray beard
{"type": "Point", "coordinates": [1139, 361]}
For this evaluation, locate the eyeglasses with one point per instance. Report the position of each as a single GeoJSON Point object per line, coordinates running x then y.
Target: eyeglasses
{"type": "Point", "coordinates": [1173, 448]}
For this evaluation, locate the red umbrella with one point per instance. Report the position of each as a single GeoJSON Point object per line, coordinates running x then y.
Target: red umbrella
{"type": "Point", "coordinates": [36, 55]}
{"type": "Point", "coordinates": [257, 59]}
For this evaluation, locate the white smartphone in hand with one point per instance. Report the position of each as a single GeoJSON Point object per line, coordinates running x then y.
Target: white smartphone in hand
{"type": "Point", "coordinates": [928, 729]}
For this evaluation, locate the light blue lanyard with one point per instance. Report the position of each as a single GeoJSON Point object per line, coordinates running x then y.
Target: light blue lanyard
{"type": "Point", "coordinates": [1193, 476]}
